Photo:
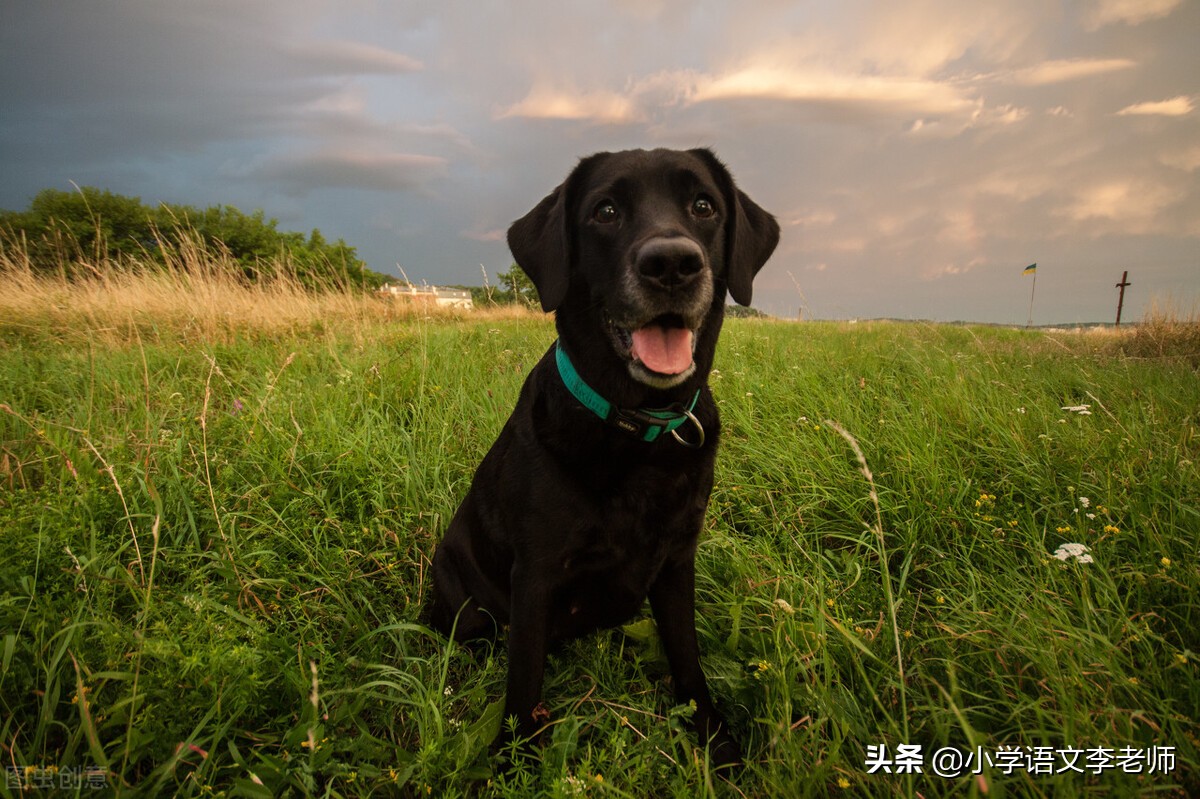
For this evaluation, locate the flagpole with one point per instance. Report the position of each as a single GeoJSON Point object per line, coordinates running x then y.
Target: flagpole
{"type": "Point", "coordinates": [1029, 323]}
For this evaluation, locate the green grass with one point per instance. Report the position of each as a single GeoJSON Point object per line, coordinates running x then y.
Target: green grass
{"type": "Point", "coordinates": [213, 552]}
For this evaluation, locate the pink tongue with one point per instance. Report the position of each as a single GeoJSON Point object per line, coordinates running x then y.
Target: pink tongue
{"type": "Point", "coordinates": [666, 350]}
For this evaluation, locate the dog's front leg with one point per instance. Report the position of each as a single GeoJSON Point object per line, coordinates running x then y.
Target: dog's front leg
{"type": "Point", "coordinates": [673, 601]}
{"type": "Point", "coordinates": [526, 651]}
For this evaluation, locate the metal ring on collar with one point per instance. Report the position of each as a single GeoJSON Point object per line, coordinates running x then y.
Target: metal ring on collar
{"type": "Point", "coordinates": [699, 428]}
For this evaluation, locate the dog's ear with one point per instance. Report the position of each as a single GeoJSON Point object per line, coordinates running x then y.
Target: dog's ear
{"type": "Point", "coordinates": [750, 234]}
{"type": "Point", "coordinates": [540, 244]}
{"type": "Point", "coordinates": [753, 234]}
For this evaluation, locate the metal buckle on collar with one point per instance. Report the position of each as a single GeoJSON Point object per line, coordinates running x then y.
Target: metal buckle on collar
{"type": "Point", "coordinates": [648, 425]}
{"type": "Point", "coordinates": [643, 424]}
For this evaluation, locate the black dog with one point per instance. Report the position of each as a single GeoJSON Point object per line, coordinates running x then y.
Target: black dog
{"type": "Point", "coordinates": [594, 494]}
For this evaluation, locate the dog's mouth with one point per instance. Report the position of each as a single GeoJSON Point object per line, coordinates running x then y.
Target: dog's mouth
{"type": "Point", "coordinates": [659, 352]}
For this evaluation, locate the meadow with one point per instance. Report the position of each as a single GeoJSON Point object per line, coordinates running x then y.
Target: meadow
{"type": "Point", "coordinates": [218, 502]}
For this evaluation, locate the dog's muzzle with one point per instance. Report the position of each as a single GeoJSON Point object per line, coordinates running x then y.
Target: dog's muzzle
{"type": "Point", "coordinates": [663, 302]}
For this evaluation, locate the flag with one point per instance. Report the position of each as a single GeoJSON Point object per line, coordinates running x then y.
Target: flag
{"type": "Point", "coordinates": [1029, 270]}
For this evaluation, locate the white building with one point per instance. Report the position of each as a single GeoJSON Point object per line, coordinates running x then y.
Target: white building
{"type": "Point", "coordinates": [443, 298]}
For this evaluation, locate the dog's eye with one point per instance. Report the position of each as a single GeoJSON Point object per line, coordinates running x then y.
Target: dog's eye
{"type": "Point", "coordinates": [605, 212]}
{"type": "Point", "coordinates": [703, 207]}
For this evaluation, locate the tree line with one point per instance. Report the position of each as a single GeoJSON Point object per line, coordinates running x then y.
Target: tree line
{"type": "Point", "coordinates": [61, 228]}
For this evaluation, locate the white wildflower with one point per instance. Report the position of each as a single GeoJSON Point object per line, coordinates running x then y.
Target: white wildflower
{"type": "Point", "coordinates": [1075, 552]}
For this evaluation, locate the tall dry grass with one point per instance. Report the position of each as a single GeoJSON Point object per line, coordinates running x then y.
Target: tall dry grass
{"type": "Point", "coordinates": [1166, 331]}
{"type": "Point", "coordinates": [202, 293]}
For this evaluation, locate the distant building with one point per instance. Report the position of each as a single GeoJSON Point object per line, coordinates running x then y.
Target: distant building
{"type": "Point", "coordinates": [443, 298]}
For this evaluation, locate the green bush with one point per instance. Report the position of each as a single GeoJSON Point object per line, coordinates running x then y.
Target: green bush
{"type": "Point", "coordinates": [62, 230]}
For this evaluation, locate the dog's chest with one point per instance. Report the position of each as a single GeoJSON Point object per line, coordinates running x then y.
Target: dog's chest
{"type": "Point", "coordinates": [602, 585]}
{"type": "Point", "coordinates": [628, 513]}
{"type": "Point", "coordinates": [624, 530]}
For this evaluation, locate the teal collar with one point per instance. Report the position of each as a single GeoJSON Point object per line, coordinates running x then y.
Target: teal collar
{"type": "Point", "coordinates": [645, 423]}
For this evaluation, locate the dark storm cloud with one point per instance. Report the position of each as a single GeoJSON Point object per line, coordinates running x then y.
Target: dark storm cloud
{"type": "Point", "coordinates": [303, 172]}
{"type": "Point", "coordinates": [125, 82]}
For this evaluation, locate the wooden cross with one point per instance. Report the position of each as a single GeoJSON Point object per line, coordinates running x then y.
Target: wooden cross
{"type": "Point", "coordinates": [1121, 299]}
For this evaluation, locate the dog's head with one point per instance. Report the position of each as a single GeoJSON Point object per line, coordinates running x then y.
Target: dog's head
{"type": "Point", "coordinates": [643, 245]}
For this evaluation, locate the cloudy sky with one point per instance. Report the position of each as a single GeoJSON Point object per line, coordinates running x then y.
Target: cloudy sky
{"type": "Point", "coordinates": [918, 154]}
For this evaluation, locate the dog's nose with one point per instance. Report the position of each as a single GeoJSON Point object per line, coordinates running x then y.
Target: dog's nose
{"type": "Point", "coordinates": [669, 262]}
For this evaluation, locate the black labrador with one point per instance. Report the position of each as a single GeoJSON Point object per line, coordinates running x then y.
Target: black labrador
{"type": "Point", "coordinates": [593, 496]}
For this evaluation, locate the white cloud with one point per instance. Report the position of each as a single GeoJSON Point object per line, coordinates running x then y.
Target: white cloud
{"type": "Point", "coordinates": [1175, 107]}
{"type": "Point", "coordinates": [924, 37]}
{"type": "Point", "coordinates": [958, 226]}
{"type": "Point", "coordinates": [596, 106]}
{"type": "Point", "coordinates": [1060, 70]}
{"type": "Point", "coordinates": [839, 93]}
{"type": "Point", "coordinates": [1130, 12]}
{"type": "Point", "coordinates": [981, 117]}
{"type": "Point", "coordinates": [1008, 114]}
{"type": "Point", "coordinates": [885, 94]}
{"type": "Point", "coordinates": [1186, 158]}
{"type": "Point", "coordinates": [810, 219]}
{"type": "Point", "coordinates": [1125, 205]}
